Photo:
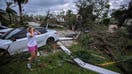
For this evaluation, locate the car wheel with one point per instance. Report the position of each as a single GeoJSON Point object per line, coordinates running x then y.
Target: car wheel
{"type": "Point", "coordinates": [51, 42]}
{"type": "Point", "coordinates": [4, 57]}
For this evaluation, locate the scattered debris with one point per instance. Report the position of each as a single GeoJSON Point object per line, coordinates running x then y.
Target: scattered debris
{"type": "Point", "coordinates": [86, 65]}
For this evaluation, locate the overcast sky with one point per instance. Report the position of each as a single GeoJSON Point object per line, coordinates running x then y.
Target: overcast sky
{"type": "Point", "coordinates": [41, 6]}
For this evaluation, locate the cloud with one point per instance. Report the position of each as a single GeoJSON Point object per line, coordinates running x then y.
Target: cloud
{"type": "Point", "coordinates": [47, 3]}
{"type": "Point", "coordinates": [42, 6]}
{"type": "Point", "coordinates": [115, 4]}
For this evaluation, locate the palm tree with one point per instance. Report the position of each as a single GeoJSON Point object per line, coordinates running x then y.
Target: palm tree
{"type": "Point", "coordinates": [2, 12]}
{"type": "Point", "coordinates": [20, 2]}
{"type": "Point", "coordinates": [10, 11]}
{"type": "Point", "coordinates": [3, 19]}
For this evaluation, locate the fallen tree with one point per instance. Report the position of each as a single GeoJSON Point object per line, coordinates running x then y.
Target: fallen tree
{"type": "Point", "coordinates": [114, 45]}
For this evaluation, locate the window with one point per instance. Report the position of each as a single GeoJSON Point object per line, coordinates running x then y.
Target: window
{"type": "Point", "coordinates": [20, 34]}
{"type": "Point", "coordinates": [12, 33]}
{"type": "Point", "coordinates": [42, 30]}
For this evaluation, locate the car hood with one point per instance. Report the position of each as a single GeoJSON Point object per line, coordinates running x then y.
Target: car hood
{"type": "Point", "coordinates": [5, 42]}
{"type": "Point", "coordinates": [50, 30]}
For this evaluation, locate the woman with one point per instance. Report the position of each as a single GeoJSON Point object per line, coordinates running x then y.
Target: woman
{"type": "Point", "coordinates": [32, 45]}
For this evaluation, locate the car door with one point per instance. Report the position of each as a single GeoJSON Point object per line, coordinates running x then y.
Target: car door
{"type": "Point", "coordinates": [19, 42]}
{"type": "Point", "coordinates": [41, 38]}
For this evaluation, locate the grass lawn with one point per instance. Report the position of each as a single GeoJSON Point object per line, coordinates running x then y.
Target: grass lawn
{"type": "Point", "coordinates": [55, 65]}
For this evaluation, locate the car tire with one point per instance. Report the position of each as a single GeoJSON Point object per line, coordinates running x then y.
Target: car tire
{"type": "Point", "coordinates": [51, 42]}
{"type": "Point", "coordinates": [4, 57]}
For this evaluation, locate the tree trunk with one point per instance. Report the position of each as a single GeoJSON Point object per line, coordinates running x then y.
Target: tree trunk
{"type": "Point", "coordinates": [20, 11]}
{"type": "Point", "coordinates": [10, 18]}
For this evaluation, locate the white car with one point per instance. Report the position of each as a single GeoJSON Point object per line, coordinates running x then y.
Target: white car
{"type": "Point", "coordinates": [15, 41]}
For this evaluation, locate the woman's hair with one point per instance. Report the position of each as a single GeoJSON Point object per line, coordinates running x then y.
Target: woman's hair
{"type": "Point", "coordinates": [29, 28]}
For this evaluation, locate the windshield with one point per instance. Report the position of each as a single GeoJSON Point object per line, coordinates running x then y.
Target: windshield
{"type": "Point", "coordinates": [10, 33]}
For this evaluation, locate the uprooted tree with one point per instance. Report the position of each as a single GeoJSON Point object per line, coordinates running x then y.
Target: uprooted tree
{"type": "Point", "coordinates": [113, 45]}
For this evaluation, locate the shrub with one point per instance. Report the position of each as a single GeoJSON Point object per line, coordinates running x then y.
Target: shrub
{"type": "Point", "coordinates": [83, 54]}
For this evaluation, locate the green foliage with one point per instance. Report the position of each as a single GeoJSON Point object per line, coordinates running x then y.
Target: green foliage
{"type": "Point", "coordinates": [106, 21]}
{"type": "Point", "coordinates": [122, 14]}
{"type": "Point", "coordinates": [70, 20]}
{"type": "Point", "coordinates": [10, 12]}
{"type": "Point", "coordinates": [104, 40]}
{"type": "Point", "coordinates": [117, 14]}
{"type": "Point", "coordinates": [3, 18]}
{"type": "Point", "coordinates": [84, 40]}
{"type": "Point", "coordinates": [92, 10]}
{"type": "Point", "coordinates": [129, 28]}
{"type": "Point", "coordinates": [83, 54]}
{"type": "Point", "coordinates": [94, 57]}
{"type": "Point", "coordinates": [128, 65]}
{"type": "Point", "coordinates": [12, 25]}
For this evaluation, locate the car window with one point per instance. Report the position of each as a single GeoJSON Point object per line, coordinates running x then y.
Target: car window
{"type": "Point", "coordinates": [1, 28]}
{"type": "Point", "coordinates": [42, 30]}
{"type": "Point", "coordinates": [23, 33]}
{"type": "Point", "coordinates": [20, 34]}
{"type": "Point", "coordinates": [12, 33]}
